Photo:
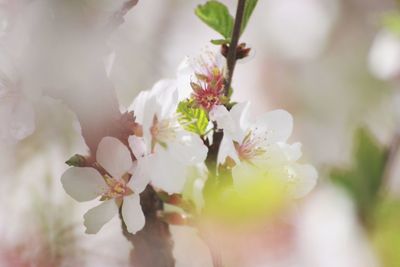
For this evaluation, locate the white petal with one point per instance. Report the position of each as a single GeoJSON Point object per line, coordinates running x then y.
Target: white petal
{"type": "Point", "coordinates": [138, 105]}
{"type": "Point", "coordinates": [83, 184]}
{"type": "Point", "coordinates": [231, 122]}
{"type": "Point", "coordinates": [278, 125]}
{"type": "Point", "coordinates": [223, 118]}
{"type": "Point", "coordinates": [184, 74]}
{"type": "Point", "coordinates": [166, 95]}
{"type": "Point", "coordinates": [188, 148]}
{"type": "Point", "coordinates": [114, 156]}
{"type": "Point", "coordinates": [140, 175]}
{"type": "Point", "coordinates": [227, 149]}
{"type": "Point", "coordinates": [245, 174]}
{"type": "Point", "coordinates": [137, 146]}
{"type": "Point", "coordinates": [132, 213]}
{"type": "Point", "coordinates": [167, 173]}
{"type": "Point", "coordinates": [96, 217]}
{"type": "Point", "coordinates": [240, 115]}
{"type": "Point", "coordinates": [304, 181]}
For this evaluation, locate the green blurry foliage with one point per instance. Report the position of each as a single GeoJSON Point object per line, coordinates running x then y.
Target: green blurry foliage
{"type": "Point", "coordinates": [391, 22]}
{"type": "Point", "coordinates": [191, 118]}
{"type": "Point", "coordinates": [260, 198]}
{"type": "Point", "coordinates": [386, 232]}
{"type": "Point", "coordinates": [363, 179]}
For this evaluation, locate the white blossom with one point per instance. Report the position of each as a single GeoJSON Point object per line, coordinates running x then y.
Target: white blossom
{"type": "Point", "coordinates": [262, 145]}
{"type": "Point", "coordinates": [166, 150]}
{"type": "Point", "coordinates": [117, 187]}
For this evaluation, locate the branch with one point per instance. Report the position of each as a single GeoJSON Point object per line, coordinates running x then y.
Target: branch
{"type": "Point", "coordinates": [232, 52]}
{"type": "Point", "coordinates": [394, 147]}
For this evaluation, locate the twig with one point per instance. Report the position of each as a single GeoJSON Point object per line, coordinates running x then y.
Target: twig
{"type": "Point", "coordinates": [394, 147]}
{"type": "Point", "coordinates": [231, 57]}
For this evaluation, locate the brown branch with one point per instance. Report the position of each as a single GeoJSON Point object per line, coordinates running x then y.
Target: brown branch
{"type": "Point", "coordinates": [232, 52]}
{"type": "Point", "coordinates": [153, 244]}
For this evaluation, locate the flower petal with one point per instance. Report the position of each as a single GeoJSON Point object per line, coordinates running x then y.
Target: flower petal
{"type": "Point", "coordinates": [227, 149]}
{"type": "Point", "coordinates": [140, 177]}
{"type": "Point", "coordinates": [188, 148]}
{"type": "Point", "coordinates": [240, 115]}
{"type": "Point", "coordinates": [304, 180]}
{"type": "Point", "coordinates": [114, 156]}
{"type": "Point", "coordinates": [83, 184]}
{"type": "Point", "coordinates": [96, 217]}
{"type": "Point", "coordinates": [167, 173]}
{"type": "Point", "coordinates": [278, 125]}
{"type": "Point", "coordinates": [132, 213]}
{"type": "Point", "coordinates": [223, 118]}
{"type": "Point", "coordinates": [137, 146]}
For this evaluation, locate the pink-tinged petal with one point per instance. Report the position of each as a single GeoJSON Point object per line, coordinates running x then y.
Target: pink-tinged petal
{"type": "Point", "coordinates": [96, 217]}
{"type": "Point", "coordinates": [137, 146]}
{"type": "Point", "coordinates": [140, 177]}
{"type": "Point", "coordinates": [83, 184]}
{"type": "Point", "coordinates": [114, 156]}
{"type": "Point", "coordinates": [277, 124]}
{"type": "Point", "coordinates": [132, 213]}
{"type": "Point", "coordinates": [227, 149]}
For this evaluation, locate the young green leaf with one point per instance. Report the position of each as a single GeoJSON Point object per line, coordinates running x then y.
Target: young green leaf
{"type": "Point", "coordinates": [248, 11]}
{"type": "Point", "coordinates": [364, 179]}
{"type": "Point", "coordinates": [216, 15]}
{"type": "Point", "coordinates": [76, 161]}
{"type": "Point", "coordinates": [193, 119]}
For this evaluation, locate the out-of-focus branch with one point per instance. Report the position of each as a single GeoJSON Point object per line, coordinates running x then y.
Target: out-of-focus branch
{"type": "Point", "coordinates": [97, 110]}
{"type": "Point", "coordinates": [393, 150]}
{"type": "Point", "coordinates": [118, 17]}
{"type": "Point", "coordinates": [232, 52]}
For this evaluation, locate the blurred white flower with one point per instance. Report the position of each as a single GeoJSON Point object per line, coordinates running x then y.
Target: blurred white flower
{"type": "Point", "coordinates": [299, 29]}
{"type": "Point", "coordinates": [116, 188]}
{"type": "Point", "coordinates": [262, 145]}
{"type": "Point", "coordinates": [166, 151]}
{"type": "Point", "coordinates": [384, 55]}
{"type": "Point", "coordinates": [329, 234]}
{"type": "Point", "coordinates": [16, 112]}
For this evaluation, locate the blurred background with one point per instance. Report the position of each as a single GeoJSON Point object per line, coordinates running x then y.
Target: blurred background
{"type": "Point", "coordinates": [331, 63]}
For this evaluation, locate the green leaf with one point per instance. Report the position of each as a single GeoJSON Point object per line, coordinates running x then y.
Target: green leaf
{"type": "Point", "coordinates": [248, 11]}
{"type": "Point", "coordinates": [363, 179]}
{"type": "Point", "coordinates": [193, 119]}
{"type": "Point", "coordinates": [76, 161]}
{"type": "Point", "coordinates": [216, 15]}
{"type": "Point", "coordinates": [220, 41]}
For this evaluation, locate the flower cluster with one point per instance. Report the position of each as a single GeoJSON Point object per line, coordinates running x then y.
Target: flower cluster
{"type": "Point", "coordinates": [166, 148]}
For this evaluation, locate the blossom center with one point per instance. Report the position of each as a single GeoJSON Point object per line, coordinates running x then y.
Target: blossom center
{"type": "Point", "coordinates": [251, 147]}
{"type": "Point", "coordinates": [162, 131]}
{"type": "Point", "coordinates": [117, 188]}
{"type": "Point", "coordinates": [208, 90]}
